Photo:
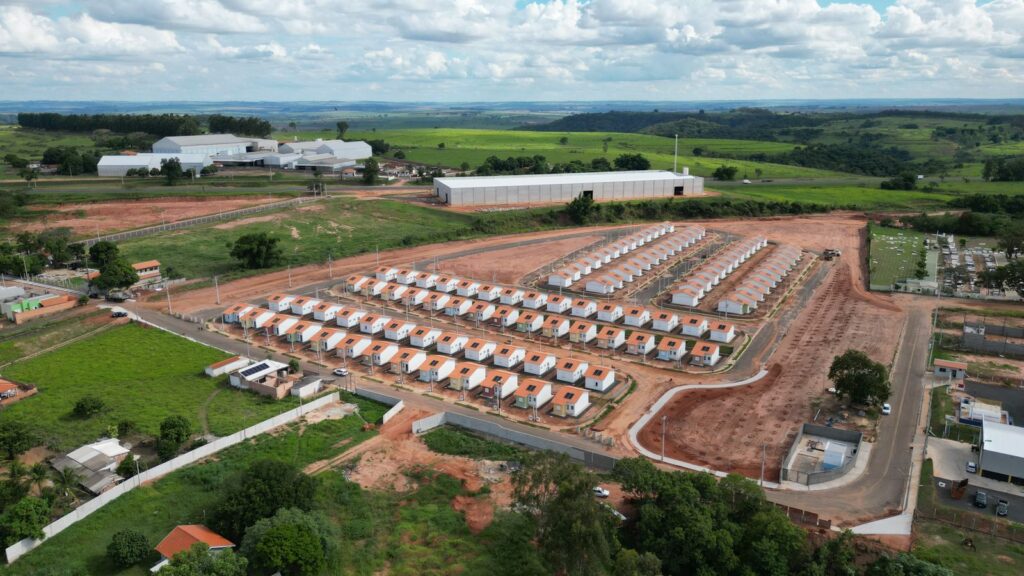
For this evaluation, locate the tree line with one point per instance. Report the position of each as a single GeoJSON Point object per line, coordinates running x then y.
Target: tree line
{"type": "Point", "coordinates": [538, 164]}
{"type": "Point", "coordinates": [159, 125]}
{"type": "Point", "coordinates": [243, 126]}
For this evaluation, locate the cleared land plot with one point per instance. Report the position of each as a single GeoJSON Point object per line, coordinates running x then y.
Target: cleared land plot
{"type": "Point", "coordinates": [894, 255]}
{"type": "Point", "coordinates": [143, 375]}
{"type": "Point", "coordinates": [474, 146]}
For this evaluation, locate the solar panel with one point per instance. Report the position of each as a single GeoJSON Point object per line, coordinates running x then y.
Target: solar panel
{"type": "Point", "coordinates": [254, 369]}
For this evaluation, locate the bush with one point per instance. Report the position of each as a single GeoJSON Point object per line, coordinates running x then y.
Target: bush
{"type": "Point", "coordinates": [88, 407]}
{"type": "Point", "coordinates": [458, 442]}
{"type": "Point", "coordinates": [127, 548]}
{"type": "Point", "coordinates": [725, 173]}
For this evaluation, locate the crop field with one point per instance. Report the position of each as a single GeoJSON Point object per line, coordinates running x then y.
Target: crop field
{"type": "Point", "coordinates": [142, 375]}
{"type": "Point", "coordinates": [894, 255]}
{"type": "Point", "coordinates": [339, 228]}
{"type": "Point", "coordinates": [841, 196]}
{"type": "Point", "coordinates": [474, 146]}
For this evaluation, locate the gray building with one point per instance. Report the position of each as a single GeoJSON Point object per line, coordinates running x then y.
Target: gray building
{"type": "Point", "coordinates": [560, 188]}
{"type": "Point", "coordinates": [1002, 452]}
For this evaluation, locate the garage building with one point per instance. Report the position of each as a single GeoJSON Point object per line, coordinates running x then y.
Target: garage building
{"type": "Point", "coordinates": [552, 188]}
{"type": "Point", "coordinates": [1002, 452]}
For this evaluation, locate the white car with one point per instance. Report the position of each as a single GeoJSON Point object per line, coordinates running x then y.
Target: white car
{"type": "Point", "coordinates": [886, 409]}
{"type": "Point", "coordinates": [341, 371]}
{"type": "Point", "coordinates": [601, 492]}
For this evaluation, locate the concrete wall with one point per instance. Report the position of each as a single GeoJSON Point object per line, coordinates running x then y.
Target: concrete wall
{"type": "Point", "coordinates": [18, 549]}
{"type": "Point", "coordinates": [812, 478]}
{"type": "Point", "coordinates": [989, 339]}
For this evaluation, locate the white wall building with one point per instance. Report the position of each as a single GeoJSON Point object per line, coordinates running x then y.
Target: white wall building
{"type": "Point", "coordinates": [117, 165]}
{"type": "Point", "coordinates": [212, 144]}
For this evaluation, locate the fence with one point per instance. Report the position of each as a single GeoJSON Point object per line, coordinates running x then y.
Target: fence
{"type": "Point", "coordinates": [495, 430]}
{"type": "Point", "coordinates": [971, 521]}
{"type": "Point", "coordinates": [18, 549]}
{"type": "Point", "coordinates": [975, 338]}
{"type": "Point", "coordinates": [804, 517]}
{"type": "Point", "coordinates": [810, 478]}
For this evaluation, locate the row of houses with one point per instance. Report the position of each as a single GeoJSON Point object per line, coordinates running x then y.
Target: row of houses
{"type": "Point", "coordinates": [508, 307]}
{"type": "Point", "coordinates": [760, 282]}
{"type": "Point", "coordinates": [570, 273]}
{"type": "Point", "coordinates": [606, 281]}
{"type": "Point", "coordinates": [699, 282]}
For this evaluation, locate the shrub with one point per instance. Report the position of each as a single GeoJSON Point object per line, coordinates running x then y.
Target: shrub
{"type": "Point", "coordinates": [127, 548]}
{"type": "Point", "coordinates": [88, 406]}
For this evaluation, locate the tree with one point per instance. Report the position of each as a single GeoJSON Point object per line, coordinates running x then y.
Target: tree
{"type": "Point", "coordinates": [632, 162]}
{"type": "Point", "coordinates": [15, 438]}
{"type": "Point", "coordinates": [905, 565]}
{"type": "Point", "coordinates": [198, 561]}
{"type": "Point", "coordinates": [725, 173]}
{"type": "Point", "coordinates": [698, 151]}
{"type": "Point", "coordinates": [15, 161]}
{"type": "Point", "coordinates": [176, 429]}
{"type": "Point", "coordinates": [127, 548]}
{"type": "Point", "coordinates": [629, 563]}
{"type": "Point", "coordinates": [342, 129]}
{"type": "Point", "coordinates": [1011, 240]}
{"type": "Point", "coordinates": [465, 166]}
{"type": "Point", "coordinates": [88, 406]}
{"type": "Point", "coordinates": [860, 378]}
{"type": "Point", "coordinates": [262, 489]}
{"type": "Point", "coordinates": [66, 481]}
{"type": "Point", "coordinates": [371, 171]}
{"type": "Point", "coordinates": [170, 169]}
{"type": "Point", "coordinates": [127, 467]}
{"type": "Point", "coordinates": [441, 146]}
{"type": "Point", "coordinates": [399, 154]}
{"type": "Point", "coordinates": [209, 170]}
{"type": "Point", "coordinates": [28, 174]}
{"type": "Point", "coordinates": [24, 519]}
{"type": "Point", "coordinates": [563, 140]}
{"type": "Point", "coordinates": [600, 165]}
{"type": "Point", "coordinates": [294, 366]}
{"type": "Point", "coordinates": [103, 253]}
{"type": "Point", "coordinates": [257, 250]}
{"type": "Point", "coordinates": [835, 557]}
{"type": "Point", "coordinates": [116, 274]}
{"type": "Point", "coordinates": [581, 209]}
{"type": "Point", "coordinates": [292, 125]}
{"type": "Point", "coordinates": [637, 476]}
{"type": "Point", "coordinates": [292, 542]}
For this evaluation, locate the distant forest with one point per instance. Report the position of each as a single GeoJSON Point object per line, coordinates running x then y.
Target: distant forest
{"type": "Point", "coordinates": [158, 125]}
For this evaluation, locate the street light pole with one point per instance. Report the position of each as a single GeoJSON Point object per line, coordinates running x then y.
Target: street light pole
{"type": "Point", "coordinates": [663, 419]}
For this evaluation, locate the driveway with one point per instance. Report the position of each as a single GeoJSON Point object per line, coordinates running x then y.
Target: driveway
{"type": "Point", "coordinates": [1016, 511]}
{"type": "Point", "coordinates": [949, 460]}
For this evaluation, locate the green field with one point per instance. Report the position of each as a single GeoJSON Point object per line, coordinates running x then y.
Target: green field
{"type": "Point", "coordinates": [894, 255]}
{"type": "Point", "coordinates": [20, 341]}
{"type": "Point", "coordinates": [474, 146]}
{"type": "Point", "coordinates": [865, 197]}
{"type": "Point", "coordinates": [30, 144]}
{"type": "Point", "coordinates": [143, 375]}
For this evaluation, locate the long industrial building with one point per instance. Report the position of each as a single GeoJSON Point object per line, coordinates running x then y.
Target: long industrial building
{"type": "Point", "coordinates": [552, 188]}
{"type": "Point", "coordinates": [120, 165]}
{"type": "Point", "coordinates": [213, 144]}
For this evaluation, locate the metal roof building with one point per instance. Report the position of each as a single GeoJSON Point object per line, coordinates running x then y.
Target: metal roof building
{"type": "Point", "coordinates": [120, 165]}
{"type": "Point", "coordinates": [1002, 452]}
{"type": "Point", "coordinates": [551, 188]}
{"type": "Point", "coordinates": [212, 144]}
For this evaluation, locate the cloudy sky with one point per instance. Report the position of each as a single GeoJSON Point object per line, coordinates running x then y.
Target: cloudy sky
{"type": "Point", "coordinates": [452, 50]}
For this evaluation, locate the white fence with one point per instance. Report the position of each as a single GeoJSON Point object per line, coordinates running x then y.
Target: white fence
{"type": "Point", "coordinates": [18, 549]}
{"type": "Point", "coordinates": [391, 413]}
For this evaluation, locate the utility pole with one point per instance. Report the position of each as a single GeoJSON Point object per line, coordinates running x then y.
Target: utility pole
{"type": "Point", "coordinates": [663, 419]}
{"type": "Point", "coordinates": [763, 449]}
{"type": "Point", "coordinates": [675, 156]}
{"type": "Point", "coordinates": [169, 310]}
{"type": "Point", "coordinates": [216, 287]}
{"type": "Point", "coordinates": [289, 275]}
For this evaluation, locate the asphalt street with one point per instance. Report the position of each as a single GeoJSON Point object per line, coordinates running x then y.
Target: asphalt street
{"type": "Point", "coordinates": [1016, 509]}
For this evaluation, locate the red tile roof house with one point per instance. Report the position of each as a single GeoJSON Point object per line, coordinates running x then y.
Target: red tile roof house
{"type": "Point", "coordinates": [386, 273]}
{"type": "Point", "coordinates": [611, 338]}
{"type": "Point", "coordinates": [479, 350]}
{"type": "Point", "coordinates": [425, 280]}
{"type": "Point", "coordinates": [398, 330]}
{"type": "Point", "coordinates": [640, 343]}
{"type": "Point", "coordinates": [148, 272]}
{"type": "Point", "coordinates": [446, 284]}
{"type": "Point", "coordinates": [636, 316]}
{"type": "Point", "coordinates": [436, 301]}
{"type": "Point", "coordinates": [694, 325]}
{"type": "Point", "coordinates": [539, 363]}
{"type": "Point", "coordinates": [555, 326]}
{"type": "Point", "coordinates": [558, 304]}
{"type": "Point", "coordinates": [481, 311]}
{"type": "Point", "coordinates": [184, 537]}
{"type": "Point", "coordinates": [529, 322]}
{"type": "Point", "coordinates": [382, 351]}
{"type": "Point", "coordinates": [424, 336]}
{"type": "Point", "coordinates": [414, 296]}
{"type": "Point", "coordinates": [408, 360]}
{"type": "Point", "coordinates": [609, 312]}
{"type": "Point", "coordinates": [533, 393]}
{"type": "Point", "coordinates": [570, 370]}
{"type": "Point", "coordinates": [280, 324]}
{"type": "Point", "coordinates": [671, 349]}
{"type": "Point", "coordinates": [665, 321]}
{"type": "Point", "coordinates": [509, 356]}
{"type": "Point", "coordinates": [405, 276]}
{"type": "Point", "coordinates": [374, 287]}
{"type": "Point", "coordinates": [373, 323]}
{"type": "Point", "coordinates": [451, 343]}
{"type": "Point", "coordinates": [687, 295]}
{"type": "Point", "coordinates": [458, 306]}
{"type": "Point", "coordinates": [704, 354]}
{"type": "Point", "coordinates": [225, 366]}
{"type": "Point", "coordinates": [722, 332]}
{"type": "Point", "coordinates": [512, 296]}
{"type": "Point", "coordinates": [582, 332]}
{"type": "Point", "coordinates": [255, 318]}
{"type": "Point", "coordinates": [348, 317]}
{"type": "Point", "coordinates": [736, 303]}
{"type": "Point", "coordinates": [436, 368]}
{"type": "Point", "coordinates": [488, 293]}
{"type": "Point", "coordinates": [304, 305]}
{"type": "Point", "coordinates": [327, 339]}
{"type": "Point", "coordinates": [233, 313]}
{"type": "Point", "coordinates": [506, 315]}
{"type": "Point", "coordinates": [467, 288]}
{"type": "Point", "coordinates": [535, 300]}
{"type": "Point", "coordinates": [603, 285]}
{"type": "Point", "coordinates": [583, 307]}
{"type": "Point", "coordinates": [353, 346]}
{"type": "Point", "coordinates": [356, 282]}
{"type": "Point", "coordinates": [599, 378]}
{"type": "Point", "coordinates": [281, 302]}
{"type": "Point", "coordinates": [467, 376]}
{"type": "Point", "coordinates": [325, 311]}
{"type": "Point", "coordinates": [393, 291]}
{"type": "Point", "coordinates": [302, 331]}
{"type": "Point", "coordinates": [570, 402]}
{"type": "Point", "coordinates": [499, 383]}
{"type": "Point", "coordinates": [560, 279]}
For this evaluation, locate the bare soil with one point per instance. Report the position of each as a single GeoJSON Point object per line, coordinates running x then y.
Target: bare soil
{"type": "Point", "coordinates": [508, 266]}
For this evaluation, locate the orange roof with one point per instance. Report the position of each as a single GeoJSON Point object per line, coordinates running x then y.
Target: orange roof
{"type": "Point", "coordinates": [723, 326]}
{"type": "Point", "coordinates": [580, 326]}
{"type": "Point", "coordinates": [694, 320]}
{"type": "Point", "coordinates": [477, 343]}
{"type": "Point", "coordinates": [557, 299]}
{"type": "Point", "coordinates": [498, 377]}
{"type": "Point", "coordinates": [705, 347]}
{"type": "Point", "coordinates": [530, 386]}
{"type": "Point", "coordinates": [610, 332]}
{"type": "Point", "coordinates": [569, 364]}
{"type": "Point", "coordinates": [255, 312]}
{"type": "Point", "coordinates": [6, 386]}
{"type": "Point", "coordinates": [555, 321]}
{"type": "Point", "coordinates": [466, 368]}
{"type": "Point", "coordinates": [184, 537]}
{"type": "Point", "coordinates": [146, 264]}
{"type": "Point", "coordinates": [950, 364]}
{"type": "Point", "coordinates": [670, 344]}
{"type": "Point", "coordinates": [639, 337]}
{"type": "Point", "coordinates": [568, 395]}
{"type": "Point", "coordinates": [599, 372]}
{"type": "Point", "coordinates": [635, 311]}
{"type": "Point", "coordinates": [437, 360]}
{"type": "Point", "coordinates": [223, 362]}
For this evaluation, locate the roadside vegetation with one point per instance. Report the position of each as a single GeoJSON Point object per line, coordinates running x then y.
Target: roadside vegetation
{"type": "Point", "coordinates": [460, 442]}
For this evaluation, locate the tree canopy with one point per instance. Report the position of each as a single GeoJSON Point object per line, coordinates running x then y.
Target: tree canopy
{"type": "Point", "coordinates": [24, 519]}
{"type": "Point", "coordinates": [116, 274]}
{"type": "Point", "coordinates": [860, 378]}
{"type": "Point", "coordinates": [257, 250]}
{"type": "Point", "coordinates": [258, 492]}
{"type": "Point", "coordinates": [198, 561]}
{"type": "Point", "coordinates": [292, 542]}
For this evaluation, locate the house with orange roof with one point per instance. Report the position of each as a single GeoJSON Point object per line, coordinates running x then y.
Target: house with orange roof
{"type": "Point", "coordinates": [232, 314]}
{"type": "Point", "coordinates": [555, 326]}
{"type": "Point", "coordinates": [446, 284]}
{"type": "Point", "coordinates": [301, 332]}
{"type": "Point", "coordinates": [599, 378]}
{"type": "Point", "coordinates": [353, 346]}
{"type": "Point", "coordinates": [736, 303]}
{"type": "Point", "coordinates": [539, 363]}
{"type": "Point", "coordinates": [505, 315]}
{"type": "Point", "coordinates": [393, 291]}
{"type": "Point", "coordinates": [488, 292]}
{"type": "Point", "coordinates": [386, 273]}
{"type": "Point", "coordinates": [508, 356]}
{"type": "Point", "coordinates": [467, 376]}
{"type": "Point", "coordinates": [451, 343]}
{"type": "Point", "coordinates": [570, 402]}
{"type": "Point", "coordinates": [226, 366]}
{"type": "Point", "coordinates": [148, 272]}
{"type": "Point", "coordinates": [436, 301]}
{"type": "Point", "coordinates": [532, 393]}
{"type": "Point", "coordinates": [671, 349]}
{"type": "Point", "coordinates": [611, 338]}
{"type": "Point", "coordinates": [405, 276]}
{"type": "Point", "coordinates": [481, 311]}
{"type": "Point", "coordinates": [373, 323]}
{"type": "Point", "coordinates": [374, 287]}
{"type": "Point", "coordinates": [609, 312]}
{"type": "Point", "coordinates": [511, 296]}
{"type": "Point", "coordinates": [280, 302]}
{"type": "Point", "coordinates": [665, 321]}
{"type": "Point", "coordinates": [636, 316]}
{"type": "Point", "coordinates": [583, 307]}
{"type": "Point", "coordinates": [303, 305]}
{"type": "Point", "coordinates": [398, 330]}
{"type": "Point", "coordinates": [458, 306]}
{"type": "Point", "coordinates": [426, 280]}
{"type": "Point", "coordinates": [535, 300]}
{"type": "Point", "coordinates": [183, 537]}
{"type": "Point", "coordinates": [255, 318]}
{"type": "Point", "coordinates": [582, 332]}
{"type": "Point", "coordinates": [558, 304]}
{"type": "Point", "coordinates": [436, 368]}
{"type": "Point", "coordinates": [694, 326]}
{"type": "Point", "coordinates": [687, 295]}
{"type": "Point", "coordinates": [560, 279]}
{"type": "Point", "coordinates": [348, 317]}
{"type": "Point", "coordinates": [640, 343]}
{"type": "Point", "coordinates": [722, 332]}
{"type": "Point", "coordinates": [325, 311]}
{"type": "Point", "coordinates": [356, 282]}
{"type": "Point", "coordinates": [479, 350]}
{"type": "Point", "coordinates": [381, 352]}
{"type": "Point", "coordinates": [327, 339]}
{"type": "Point", "coordinates": [570, 369]}
{"type": "Point", "coordinates": [408, 360]}
{"type": "Point", "coordinates": [529, 322]}
{"type": "Point", "coordinates": [499, 383]}
{"type": "Point", "coordinates": [280, 323]}
{"type": "Point", "coordinates": [467, 288]}
{"type": "Point", "coordinates": [704, 354]}
{"type": "Point", "coordinates": [424, 336]}
{"type": "Point", "coordinates": [414, 296]}
{"type": "Point", "coordinates": [600, 285]}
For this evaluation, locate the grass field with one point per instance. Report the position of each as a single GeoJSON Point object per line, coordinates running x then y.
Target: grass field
{"type": "Point", "coordinates": [894, 254]}
{"type": "Point", "coordinates": [20, 341]}
{"type": "Point", "coordinates": [30, 144]}
{"type": "Point", "coordinates": [143, 375]}
{"type": "Point", "coordinates": [460, 442]}
{"type": "Point", "coordinates": [339, 227]}
{"type": "Point", "coordinates": [866, 197]}
{"type": "Point", "coordinates": [473, 146]}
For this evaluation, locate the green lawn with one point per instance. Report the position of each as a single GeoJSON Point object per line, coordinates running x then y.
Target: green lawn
{"type": "Point", "coordinates": [894, 254]}
{"type": "Point", "coordinates": [143, 375]}
{"type": "Point", "coordinates": [473, 146]}
{"type": "Point", "coordinates": [461, 442]}
{"type": "Point", "coordinates": [866, 197]}
{"type": "Point", "coordinates": [339, 228]}
{"type": "Point", "coordinates": [20, 341]}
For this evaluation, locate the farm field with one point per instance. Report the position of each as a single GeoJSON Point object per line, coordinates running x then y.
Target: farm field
{"type": "Point", "coordinates": [141, 374]}
{"type": "Point", "coordinates": [474, 146]}
{"type": "Point", "coordinates": [840, 196]}
{"type": "Point", "coordinates": [894, 255]}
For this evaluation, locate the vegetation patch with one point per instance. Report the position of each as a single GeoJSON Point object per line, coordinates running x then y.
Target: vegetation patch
{"type": "Point", "coordinates": [460, 442]}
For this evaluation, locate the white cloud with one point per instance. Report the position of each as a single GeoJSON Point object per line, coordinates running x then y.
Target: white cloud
{"type": "Point", "coordinates": [201, 15]}
{"type": "Point", "coordinates": [82, 36]}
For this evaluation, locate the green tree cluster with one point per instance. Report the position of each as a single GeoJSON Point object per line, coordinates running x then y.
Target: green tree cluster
{"type": "Point", "coordinates": [860, 378]}
{"type": "Point", "coordinates": [257, 250]}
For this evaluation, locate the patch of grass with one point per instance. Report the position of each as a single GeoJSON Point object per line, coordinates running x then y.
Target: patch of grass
{"type": "Point", "coordinates": [942, 544]}
{"type": "Point", "coordinates": [460, 442]}
{"type": "Point", "coordinates": [20, 341]}
{"type": "Point", "coordinates": [865, 197]}
{"type": "Point", "coordinates": [942, 406]}
{"type": "Point", "coordinates": [894, 254]}
{"type": "Point", "coordinates": [141, 374]}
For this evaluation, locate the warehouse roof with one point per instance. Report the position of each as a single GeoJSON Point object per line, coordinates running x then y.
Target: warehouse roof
{"type": "Point", "coordinates": [201, 139]}
{"type": "Point", "coordinates": [550, 179]}
{"type": "Point", "coordinates": [1003, 439]}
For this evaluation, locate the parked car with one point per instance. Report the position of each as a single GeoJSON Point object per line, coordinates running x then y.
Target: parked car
{"type": "Point", "coordinates": [886, 409]}
{"type": "Point", "coordinates": [601, 492]}
{"type": "Point", "coordinates": [980, 499]}
{"type": "Point", "coordinates": [119, 314]}
{"type": "Point", "coordinates": [1002, 507]}
{"type": "Point", "coordinates": [972, 467]}
{"type": "Point", "coordinates": [341, 371]}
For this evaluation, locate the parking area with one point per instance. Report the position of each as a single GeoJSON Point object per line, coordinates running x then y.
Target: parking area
{"type": "Point", "coordinates": [950, 458]}
{"type": "Point", "coordinates": [1015, 510]}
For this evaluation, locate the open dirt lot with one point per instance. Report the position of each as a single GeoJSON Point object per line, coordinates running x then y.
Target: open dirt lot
{"type": "Point", "coordinates": [105, 217]}
{"type": "Point", "coordinates": [511, 264]}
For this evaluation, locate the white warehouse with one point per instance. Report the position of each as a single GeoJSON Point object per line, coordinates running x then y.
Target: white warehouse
{"type": "Point", "coordinates": [213, 144]}
{"type": "Point", "coordinates": [355, 150]}
{"type": "Point", "coordinates": [120, 165]}
{"type": "Point", "coordinates": [551, 188]}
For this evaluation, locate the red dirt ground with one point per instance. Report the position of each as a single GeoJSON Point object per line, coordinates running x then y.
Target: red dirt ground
{"type": "Point", "coordinates": [107, 217]}
{"type": "Point", "coordinates": [511, 264]}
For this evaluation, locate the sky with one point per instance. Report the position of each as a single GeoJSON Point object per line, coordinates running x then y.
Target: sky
{"type": "Point", "coordinates": [505, 50]}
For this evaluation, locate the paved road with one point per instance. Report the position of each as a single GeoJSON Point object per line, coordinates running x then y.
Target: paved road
{"type": "Point", "coordinates": [1016, 510]}
{"type": "Point", "coordinates": [412, 399]}
{"type": "Point", "coordinates": [883, 486]}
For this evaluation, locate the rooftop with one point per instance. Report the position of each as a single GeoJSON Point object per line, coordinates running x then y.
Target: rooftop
{"type": "Point", "coordinates": [572, 178]}
{"type": "Point", "coordinates": [1003, 439]}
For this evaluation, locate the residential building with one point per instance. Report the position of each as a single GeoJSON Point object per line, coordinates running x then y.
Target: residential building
{"type": "Point", "coordinates": [532, 393]}
{"type": "Point", "coordinates": [570, 402]}
{"type": "Point", "coordinates": [570, 370]}
{"type": "Point", "coordinates": [599, 378]}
